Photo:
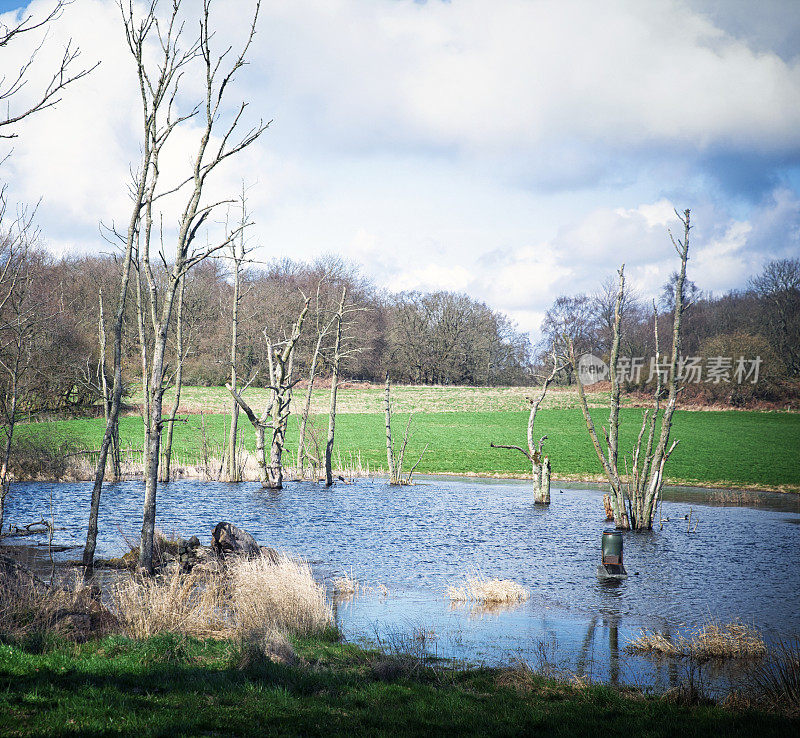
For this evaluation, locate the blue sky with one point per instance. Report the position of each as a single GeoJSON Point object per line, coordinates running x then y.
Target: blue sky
{"type": "Point", "coordinates": [512, 149]}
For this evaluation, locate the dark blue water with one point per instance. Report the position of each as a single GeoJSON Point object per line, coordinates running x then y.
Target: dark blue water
{"type": "Point", "coordinates": [742, 560]}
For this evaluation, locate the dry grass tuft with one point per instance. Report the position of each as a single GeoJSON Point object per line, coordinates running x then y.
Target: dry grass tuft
{"type": "Point", "coordinates": [484, 590]}
{"type": "Point", "coordinates": [346, 585]}
{"type": "Point", "coordinates": [652, 642]}
{"type": "Point", "coordinates": [29, 606]}
{"type": "Point", "coordinates": [726, 640]}
{"type": "Point", "coordinates": [191, 604]}
{"type": "Point", "coordinates": [283, 596]}
{"type": "Point", "coordinates": [712, 640]}
{"type": "Point", "coordinates": [251, 596]}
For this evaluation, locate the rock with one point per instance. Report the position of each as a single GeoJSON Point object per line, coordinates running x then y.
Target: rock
{"type": "Point", "coordinates": [194, 542]}
{"type": "Point", "coordinates": [270, 554]}
{"type": "Point", "coordinates": [228, 539]}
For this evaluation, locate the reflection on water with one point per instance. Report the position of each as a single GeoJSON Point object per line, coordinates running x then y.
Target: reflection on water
{"type": "Point", "coordinates": [741, 562]}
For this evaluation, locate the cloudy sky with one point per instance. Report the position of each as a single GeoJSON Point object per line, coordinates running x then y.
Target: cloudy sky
{"type": "Point", "coordinates": [513, 149]}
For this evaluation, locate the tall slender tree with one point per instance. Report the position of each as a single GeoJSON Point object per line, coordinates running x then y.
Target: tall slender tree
{"type": "Point", "coordinates": [635, 488]}
{"type": "Point", "coordinates": [157, 92]}
{"type": "Point", "coordinates": [219, 71]}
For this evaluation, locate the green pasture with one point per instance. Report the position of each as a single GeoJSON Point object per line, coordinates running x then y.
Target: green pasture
{"type": "Point", "coordinates": [724, 448]}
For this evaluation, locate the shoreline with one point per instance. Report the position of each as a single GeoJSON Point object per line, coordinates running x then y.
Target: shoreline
{"type": "Point", "coordinates": [597, 480]}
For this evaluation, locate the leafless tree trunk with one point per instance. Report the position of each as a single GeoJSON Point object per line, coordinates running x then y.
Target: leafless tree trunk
{"type": "Point", "coordinates": [641, 484]}
{"type": "Point", "coordinates": [17, 328]}
{"type": "Point", "coordinates": [540, 465]}
{"type": "Point", "coordinates": [211, 151]}
{"type": "Point", "coordinates": [387, 411]}
{"type": "Point", "coordinates": [153, 96]}
{"type": "Point", "coordinates": [102, 370]}
{"type": "Point", "coordinates": [396, 463]}
{"type": "Point", "coordinates": [323, 328]}
{"type": "Point", "coordinates": [276, 414]}
{"type": "Point", "coordinates": [238, 253]}
{"type": "Point", "coordinates": [179, 358]}
{"type": "Point", "coordinates": [10, 412]}
{"type": "Point", "coordinates": [141, 324]}
{"type": "Point", "coordinates": [111, 431]}
{"type": "Point", "coordinates": [337, 356]}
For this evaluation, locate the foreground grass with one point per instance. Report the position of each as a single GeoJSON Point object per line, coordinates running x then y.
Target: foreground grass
{"type": "Point", "coordinates": [172, 685]}
{"type": "Point", "coordinates": [717, 448]}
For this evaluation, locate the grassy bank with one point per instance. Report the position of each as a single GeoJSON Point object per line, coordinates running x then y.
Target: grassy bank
{"type": "Point", "coordinates": [717, 448]}
{"type": "Point", "coordinates": [174, 685]}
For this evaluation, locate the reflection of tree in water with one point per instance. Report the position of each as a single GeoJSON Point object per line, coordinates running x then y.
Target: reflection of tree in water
{"type": "Point", "coordinates": [666, 667]}
{"type": "Point", "coordinates": [586, 654]}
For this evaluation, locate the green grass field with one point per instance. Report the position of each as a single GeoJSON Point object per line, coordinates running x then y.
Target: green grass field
{"type": "Point", "coordinates": [717, 448]}
{"type": "Point", "coordinates": [176, 686]}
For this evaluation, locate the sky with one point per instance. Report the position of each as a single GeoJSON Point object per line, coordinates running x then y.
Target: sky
{"type": "Point", "coordinates": [512, 149]}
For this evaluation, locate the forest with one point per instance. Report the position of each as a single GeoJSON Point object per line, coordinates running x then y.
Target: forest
{"type": "Point", "coordinates": [55, 312]}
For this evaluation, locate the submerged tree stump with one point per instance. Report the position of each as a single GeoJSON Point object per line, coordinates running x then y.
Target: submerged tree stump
{"type": "Point", "coordinates": [541, 495]}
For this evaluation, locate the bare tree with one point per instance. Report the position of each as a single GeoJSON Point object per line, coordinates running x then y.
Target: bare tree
{"type": "Point", "coordinates": [603, 304]}
{"type": "Point", "coordinates": [778, 286]}
{"type": "Point", "coordinates": [335, 366]}
{"type": "Point", "coordinates": [238, 253]}
{"type": "Point", "coordinates": [275, 416]}
{"type": "Point", "coordinates": [13, 84]}
{"type": "Point", "coordinates": [180, 356]}
{"type": "Point", "coordinates": [540, 464]}
{"type": "Point", "coordinates": [208, 156]}
{"type": "Point", "coordinates": [144, 339]}
{"type": "Point", "coordinates": [102, 371]}
{"type": "Point", "coordinates": [157, 97]}
{"type": "Point", "coordinates": [323, 324]}
{"type": "Point", "coordinates": [395, 461]}
{"type": "Point", "coordinates": [343, 348]}
{"type": "Point", "coordinates": [569, 318]}
{"type": "Point", "coordinates": [16, 325]}
{"type": "Point", "coordinates": [639, 485]}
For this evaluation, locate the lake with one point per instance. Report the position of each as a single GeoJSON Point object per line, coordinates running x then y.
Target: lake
{"type": "Point", "coordinates": [741, 559]}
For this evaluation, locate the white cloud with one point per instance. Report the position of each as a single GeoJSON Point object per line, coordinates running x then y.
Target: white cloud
{"type": "Point", "coordinates": [514, 149]}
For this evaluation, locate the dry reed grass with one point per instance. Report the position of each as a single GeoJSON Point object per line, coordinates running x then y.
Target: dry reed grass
{"type": "Point", "coordinates": [345, 586]}
{"type": "Point", "coordinates": [172, 602]}
{"type": "Point", "coordinates": [711, 640]}
{"type": "Point", "coordinates": [727, 640]}
{"type": "Point", "coordinates": [251, 596]}
{"type": "Point", "coordinates": [481, 589]}
{"type": "Point", "coordinates": [29, 606]}
{"type": "Point", "coordinates": [283, 596]}
{"type": "Point", "coordinates": [654, 643]}
{"type": "Point", "coordinates": [776, 680]}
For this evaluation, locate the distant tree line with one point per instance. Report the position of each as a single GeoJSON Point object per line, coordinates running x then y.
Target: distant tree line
{"type": "Point", "coordinates": [760, 321]}
{"type": "Point", "coordinates": [51, 328]}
